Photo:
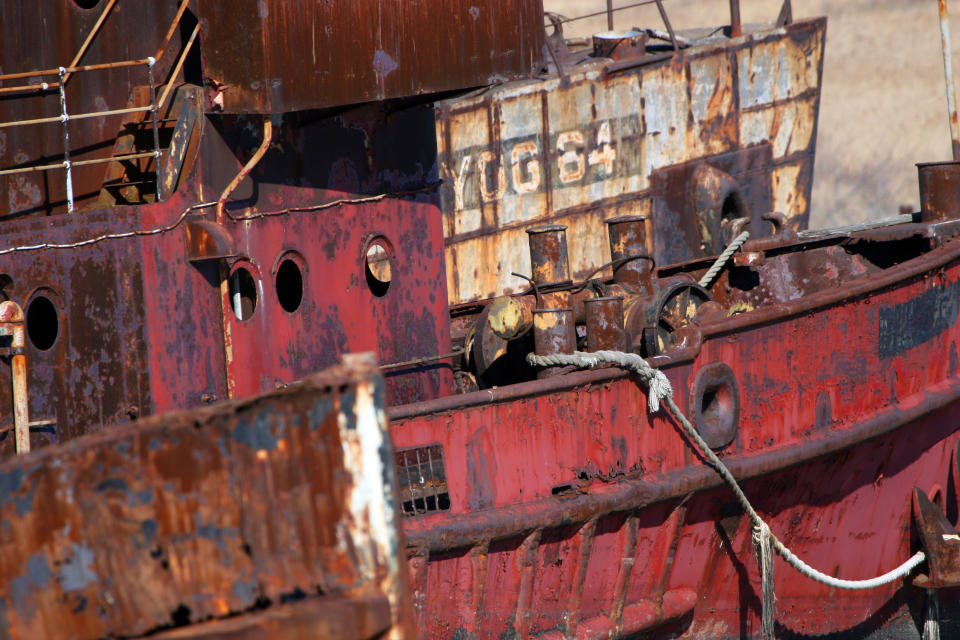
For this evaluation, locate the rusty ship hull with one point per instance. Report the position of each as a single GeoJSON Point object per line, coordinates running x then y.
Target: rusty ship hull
{"type": "Point", "coordinates": [204, 205]}
{"type": "Point", "coordinates": [572, 513]}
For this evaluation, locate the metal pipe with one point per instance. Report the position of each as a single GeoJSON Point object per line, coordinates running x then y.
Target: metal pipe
{"type": "Point", "coordinates": [76, 116]}
{"type": "Point", "coordinates": [12, 324]}
{"type": "Point", "coordinates": [158, 166]}
{"type": "Point", "coordinates": [16, 123]}
{"type": "Point", "coordinates": [628, 242]}
{"type": "Point", "coordinates": [90, 36]}
{"type": "Point", "coordinates": [736, 29]}
{"type": "Point", "coordinates": [609, 15]}
{"type": "Point", "coordinates": [177, 67]}
{"type": "Point", "coordinates": [948, 78]}
{"type": "Point", "coordinates": [43, 86]}
{"type": "Point", "coordinates": [247, 168]}
{"type": "Point", "coordinates": [108, 112]}
{"type": "Point", "coordinates": [549, 262]}
{"type": "Point", "coordinates": [604, 319]}
{"type": "Point", "coordinates": [173, 25]}
{"type": "Point", "coordinates": [74, 69]}
{"type": "Point", "coordinates": [78, 163]}
{"type": "Point", "coordinates": [669, 27]}
{"type": "Point", "coordinates": [600, 13]}
{"type": "Point", "coordinates": [65, 118]}
{"type": "Point", "coordinates": [226, 309]}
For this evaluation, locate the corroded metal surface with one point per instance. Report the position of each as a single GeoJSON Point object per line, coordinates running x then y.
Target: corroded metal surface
{"type": "Point", "coordinates": [284, 55]}
{"type": "Point", "coordinates": [47, 34]}
{"type": "Point", "coordinates": [580, 149]}
{"type": "Point", "coordinates": [939, 191]}
{"type": "Point", "coordinates": [820, 434]}
{"type": "Point", "coordinates": [137, 326]}
{"type": "Point", "coordinates": [199, 515]}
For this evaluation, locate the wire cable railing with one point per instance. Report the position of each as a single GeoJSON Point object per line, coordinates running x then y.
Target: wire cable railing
{"type": "Point", "coordinates": [63, 75]}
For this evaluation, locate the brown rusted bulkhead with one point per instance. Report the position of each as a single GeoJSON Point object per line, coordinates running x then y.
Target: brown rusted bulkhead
{"type": "Point", "coordinates": [288, 55]}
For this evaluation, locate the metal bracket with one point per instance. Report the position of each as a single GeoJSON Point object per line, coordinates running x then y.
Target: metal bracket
{"type": "Point", "coordinates": [941, 543]}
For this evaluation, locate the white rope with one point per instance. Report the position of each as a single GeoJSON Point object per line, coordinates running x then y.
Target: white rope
{"type": "Point", "coordinates": [722, 259]}
{"type": "Point", "coordinates": [761, 541]}
{"type": "Point", "coordinates": [659, 390]}
{"type": "Point", "coordinates": [657, 383]}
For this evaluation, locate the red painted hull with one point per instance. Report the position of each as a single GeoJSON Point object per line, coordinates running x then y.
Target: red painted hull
{"type": "Point", "coordinates": [573, 513]}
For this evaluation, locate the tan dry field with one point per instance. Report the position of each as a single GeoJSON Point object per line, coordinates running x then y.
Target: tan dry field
{"type": "Point", "coordinates": [883, 105]}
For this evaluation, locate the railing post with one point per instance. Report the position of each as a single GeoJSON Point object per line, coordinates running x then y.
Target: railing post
{"type": "Point", "coordinates": [609, 15]}
{"type": "Point", "coordinates": [12, 324]}
{"type": "Point", "coordinates": [65, 119]}
{"type": "Point", "coordinates": [669, 27]}
{"type": "Point", "coordinates": [736, 29]}
{"type": "Point", "coordinates": [156, 134]}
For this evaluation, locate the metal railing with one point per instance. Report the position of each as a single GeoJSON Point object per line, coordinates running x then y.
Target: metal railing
{"type": "Point", "coordinates": [736, 27]}
{"type": "Point", "coordinates": [64, 73]}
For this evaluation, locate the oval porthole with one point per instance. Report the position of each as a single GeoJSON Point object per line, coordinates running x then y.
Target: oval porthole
{"type": "Point", "coordinates": [716, 404]}
{"type": "Point", "coordinates": [43, 323]}
{"type": "Point", "coordinates": [86, 4]}
{"type": "Point", "coordinates": [378, 265]}
{"type": "Point", "coordinates": [243, 293]}
{"type": "Point", "coordinates": [289, 282]}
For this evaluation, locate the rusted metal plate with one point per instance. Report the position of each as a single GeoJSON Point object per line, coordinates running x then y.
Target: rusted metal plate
{"type": "Point", "coordinates": [582, 149]}
{"type": "Point", "coordinates": [45, 35]}
{"type": "Point", "coordinates": [207, 514]}
{"type": "Point", "coordinates": [844, 400]}
{"type": "Point", "coordinates": [285, 55]}
{"type": "Point", "coordinates": [137, 327]}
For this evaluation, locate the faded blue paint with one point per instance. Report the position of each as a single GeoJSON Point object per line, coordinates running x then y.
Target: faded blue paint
{"type": "Point", "coordinates": [258, 434]}
{"type": "Point", "coordinates": [348, 407]}
{"type": "Point", "coordinates": [245, 591]}
{"type": "Point", "coordinates": [22, 587]}
{"type": "Point", "coordinates": [117, 484]}
{"type": "Point", "coordinates": [148, 529]}
{"type": "Point", "coordinates": [75, 572]}
{"type": "Point", "coordinates": [383, 64]}
{"type": "Point", "coordinates": [211, 531]}
{"type": "Point", "coordinates": [318, 413]}
{"type": "Point", "coordinates": [11, 484]}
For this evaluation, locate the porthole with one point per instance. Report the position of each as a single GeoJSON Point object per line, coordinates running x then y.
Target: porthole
{"type": "Point", "coordinates": [289, 283]}
{"type": "Point", "coordinates": [86, 4]}
{"type": "Point", "coordinates": [243, 293]}
{"type": "Point", "coordinates": [378, 265]}
{"type": "Point", "coordinates": [43, 323]}
{"type": "Point", "coordinates": [716, 404]}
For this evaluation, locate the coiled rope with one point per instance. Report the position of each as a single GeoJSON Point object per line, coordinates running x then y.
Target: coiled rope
{"type": "Point", "coordinates": [660, 391]}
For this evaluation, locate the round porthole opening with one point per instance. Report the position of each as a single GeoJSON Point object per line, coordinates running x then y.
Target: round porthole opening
{"type": "Point", "coordinates": [716, 404]}
{"type": "Point", "coordinates": [378, 266]}
{"type": "Point", "coordinates": [86, 4]}
{"type": "Point", "coordinates": [289, 285]}
{"type": "Point", "coordinates": [243, 293]}
{"type": "Point", "coordinates": [43, 325]}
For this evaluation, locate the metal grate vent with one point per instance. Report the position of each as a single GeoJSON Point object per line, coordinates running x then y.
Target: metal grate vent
{"type": "Point", "coordinates": [423, 481]}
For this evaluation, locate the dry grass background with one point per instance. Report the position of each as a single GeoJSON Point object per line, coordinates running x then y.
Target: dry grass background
{"type": "Point", "coordinates": [883, 105]}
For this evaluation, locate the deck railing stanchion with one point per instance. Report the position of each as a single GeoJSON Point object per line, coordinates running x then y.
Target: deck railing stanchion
{"type": "Point", "coordinates": [736, 28]}
{"type": "Point", "coordinates": [65, 119]}
{"type": "Point", "coordinates": [158, 167]}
